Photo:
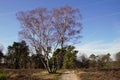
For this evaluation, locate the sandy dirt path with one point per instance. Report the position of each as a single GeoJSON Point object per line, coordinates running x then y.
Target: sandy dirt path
{"type": "Point", "coordinates": [69, 75]}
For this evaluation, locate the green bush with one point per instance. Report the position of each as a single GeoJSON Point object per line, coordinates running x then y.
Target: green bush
{"type": "Point", "coordinates": [2, 76]}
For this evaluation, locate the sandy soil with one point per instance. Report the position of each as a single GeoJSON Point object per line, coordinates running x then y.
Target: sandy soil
{"type": "Point", "coordinates": [69, 75]}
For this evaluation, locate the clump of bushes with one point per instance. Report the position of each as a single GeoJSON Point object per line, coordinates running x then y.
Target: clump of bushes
{"type": "Point", "coordinates": [2, 75]}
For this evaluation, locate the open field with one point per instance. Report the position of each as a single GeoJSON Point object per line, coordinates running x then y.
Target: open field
{"type": "Point", "coordinates": [104, 74]}
{"type": "Point", "coordinates": [38, 74]}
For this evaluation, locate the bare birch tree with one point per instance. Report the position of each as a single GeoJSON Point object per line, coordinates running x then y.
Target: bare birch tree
{"type": "Point", "coordinates": [46, 30]}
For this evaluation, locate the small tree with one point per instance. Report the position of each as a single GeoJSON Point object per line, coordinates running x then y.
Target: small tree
{"type": "Point", "coordinates": [93, 60]}
{"type": "Point", "coordinates": [70, 58]}
{"type": "Point", "coordinates": [1, 54]}
{"type": "Point", "coordinates": [118, 58]}
{"type": "Point", "coordinates": [103, 60]}
{"type": "Point", "coordinates": [17, 55]}
{"type": "Point", "coordinates": [58, 56]}
{"type": "Point", "coordinates": [83, 61]}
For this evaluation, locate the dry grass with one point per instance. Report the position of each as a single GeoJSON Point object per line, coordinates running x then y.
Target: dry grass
{"type": "Point", "coordinates": [37, 74]}
{"type": "Point", "coordinates": [29, 74]}
{"type": "Point", "coordinates": [99, 75]}
{"type": "Point", "coordinates": [46, 76]}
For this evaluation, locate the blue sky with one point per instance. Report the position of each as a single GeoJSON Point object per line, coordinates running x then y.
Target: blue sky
{"type": "Point", "coordinates": [100, 21]}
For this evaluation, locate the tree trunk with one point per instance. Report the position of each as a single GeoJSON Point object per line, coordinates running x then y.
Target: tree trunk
{"type": "Point", "coordinates": [47, 66]}
{"type": "Point", "coordinates": [46, 62]}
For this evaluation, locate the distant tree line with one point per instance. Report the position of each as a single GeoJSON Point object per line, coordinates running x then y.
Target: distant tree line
{"type": "Point", "coordinates": [19, 56]}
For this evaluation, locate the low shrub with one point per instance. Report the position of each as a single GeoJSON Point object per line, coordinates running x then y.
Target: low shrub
{"type": "Point", "coordinates": [2, 76]}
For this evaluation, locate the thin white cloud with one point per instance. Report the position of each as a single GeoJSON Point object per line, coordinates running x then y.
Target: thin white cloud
{"type": "Point", "coordinates": [100, 47]}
